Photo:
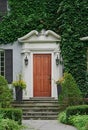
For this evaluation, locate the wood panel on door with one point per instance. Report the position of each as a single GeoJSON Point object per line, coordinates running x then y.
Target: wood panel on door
{"type": "Point", "coordinates": [42, 75]}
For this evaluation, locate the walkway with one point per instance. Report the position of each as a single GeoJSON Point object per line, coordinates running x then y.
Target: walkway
{"type": "Point", "coordinates": [46, 125]}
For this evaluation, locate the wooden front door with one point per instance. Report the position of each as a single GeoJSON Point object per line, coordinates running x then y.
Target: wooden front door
{"type": "Point", "coordinates": [42, 75]}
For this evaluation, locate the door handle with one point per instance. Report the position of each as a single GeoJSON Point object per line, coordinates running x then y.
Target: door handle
{"type": "Point", "coordinates": [49, 79]}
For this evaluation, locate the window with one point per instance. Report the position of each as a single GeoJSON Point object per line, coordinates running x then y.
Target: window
{"type": "Point", "coordinates": [6, 64]}
{"type": "Point", "coordinates": [9, 65]}
{"type": "Point", "coordinates": [2, 63]}
{"type": "Point", "coordinates": [3, 8]}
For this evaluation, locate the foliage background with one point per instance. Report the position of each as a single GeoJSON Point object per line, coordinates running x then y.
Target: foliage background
{"type": "Point", "coordinates": [69, 18]}
{"type": "Point", "coordinates": [73, 24]}
{"type": "Point", "coordinates": [26, 15]}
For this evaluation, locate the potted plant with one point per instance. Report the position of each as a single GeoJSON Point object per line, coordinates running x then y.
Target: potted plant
{"type": "Point", "coordinates": [59, 86]}
{"type": "Point", "coordinates": [19, 86]}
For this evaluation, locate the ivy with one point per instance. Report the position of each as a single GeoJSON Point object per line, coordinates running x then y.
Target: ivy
{"type": "Point", "coordinates": [27, 15]}
{"type": "Point", "coordinates": [73, 23]}
{"type": "Point", "coordinates": [69, 18]}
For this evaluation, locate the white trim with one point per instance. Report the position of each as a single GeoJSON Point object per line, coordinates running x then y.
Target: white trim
{"type": "Point", "coordinates": [84, 38]}
{"type": "Point", "coordinates": [42, 49]}
{"type": "Point", "coordinates": [52, 33]}
{"type": "Point", "coordinates": [44, 42]}
{"type": "Point", "coordinates": [39, 37]}
{"type": "Point", "coordinates": [25, 51]}
{"type": "Point", "coordinates": [28, 35]}
{"type": "Point", "coordinates": [39, 41]}
{"type": "Point", "coordinates": [29, 50]}
{"type": "Point", "coordinates": [55, 73]}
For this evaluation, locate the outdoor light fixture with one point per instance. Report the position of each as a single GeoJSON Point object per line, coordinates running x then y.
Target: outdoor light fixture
{"type": "Point", "coordinates": [57, 60]}
{"type": "Point", "coordinates": [26, 60]}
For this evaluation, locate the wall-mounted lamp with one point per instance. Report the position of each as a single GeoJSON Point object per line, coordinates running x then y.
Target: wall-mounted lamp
{"type": "Point", "coordinates": [57, 60]}
{"type": "Point", "coordinates": [26, 60]}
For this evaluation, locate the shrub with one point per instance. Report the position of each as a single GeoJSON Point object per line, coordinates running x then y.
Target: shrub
{"type": "Point", "coordinates": [79, 121]}
{"type": "Point", "coordinates": [70, 95]}
{"type": "Point", "coordinates": [8, 124]}
{"type": "Point", "coordinates": [62, 117]}
{"type": "Point", "coordinates": [86, 125]}
{"type": "Point", "coordinates": [74, 110]}
{"type": "Point", "coordinates": [76, 116]}
{"type": "Point", "coordinates": [5, 93]}
{"type": "Point", "coordinates": [85, 101]}
{"type": "Point", "coordinates": [11, 113]}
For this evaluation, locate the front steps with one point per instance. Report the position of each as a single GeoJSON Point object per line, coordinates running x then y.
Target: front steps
{"type": "Point", "coordinates": [39, 108]}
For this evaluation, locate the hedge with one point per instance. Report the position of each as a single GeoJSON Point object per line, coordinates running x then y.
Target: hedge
{"type": "Point", "coordinates": [74, 110]}
{"type": "Point", "coordinates": [11, 113]}
{"type": "Point", "coordinates": [79, 121]}
{"type": "Point", "coordinates": [8, 124]}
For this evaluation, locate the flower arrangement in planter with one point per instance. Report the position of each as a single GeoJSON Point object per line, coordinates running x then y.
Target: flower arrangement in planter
{"type": "Point", "coordinates": [59, 81]}
{"type": "Point", "coordinates": [19, 85]}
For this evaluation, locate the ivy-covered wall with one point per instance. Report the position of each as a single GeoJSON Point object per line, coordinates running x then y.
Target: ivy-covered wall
{"type": "Point", "coordinates": [68, 18]}
{"type": "Point", "coordinates": [26, 15]}
{"type": "Point", "coordinates": [73, 23]}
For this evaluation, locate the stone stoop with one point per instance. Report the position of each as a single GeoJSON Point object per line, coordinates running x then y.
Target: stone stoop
{"type": "Point", "coordinates": [39, 108]}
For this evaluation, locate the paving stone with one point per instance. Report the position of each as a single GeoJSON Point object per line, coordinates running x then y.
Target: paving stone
{"type": "Point", "coordinates": [46, 125]}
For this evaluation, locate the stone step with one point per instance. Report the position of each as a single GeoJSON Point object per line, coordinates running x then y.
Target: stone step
{"type": "Point", "coordinates": [43, 117]}
{"type": "Point", "coordinates": [39, 108]}
{"type": "Point", "coordinates": [42, 98]}
{"type": "Point", "coordinates": [39, 113]}
{"type": "Point", "coordinates": [54, 109]}
{"type": "Point", "coordinates": [36, 105]}
{"type": "Point", "coordinates": [35, 101]}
